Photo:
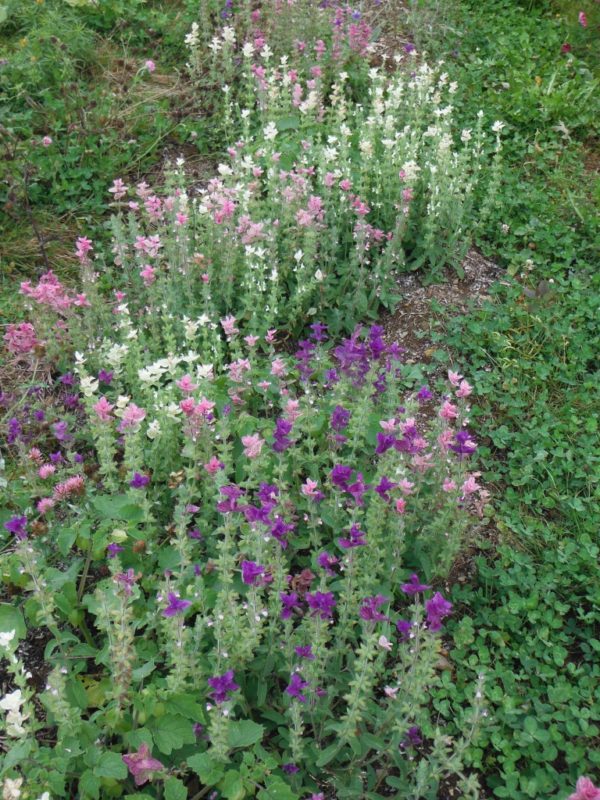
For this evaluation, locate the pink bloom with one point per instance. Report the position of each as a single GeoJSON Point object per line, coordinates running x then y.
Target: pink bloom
{"type": "Point", "coordinates": [148, 275]}
{"type": "Point", "coordinates": [251, 340]}
{"type": "Point", "coordinates": [454, 377]}
{"type": "Point", "coordinates": [46, 470]}
{"type": "Point", "coordinates": [47, 141]}
{"type": "Point", "coordinates": [582, 19]}
{"type": "Point", "coordinates": [291, 410]}
{"type": "Point", "coordinates": [118, 189]}
{"type": "Point", "coordinates": [20, 338]}
{"type": "Point", "coordinates": [464, 390]}
{"type": "Point", "coordinates": [406, 486]}
{"type": "Point", "coordinates": [83, 247]}
{"type": "Point", "coordinates": [131, 418]}
{"type": "Point", "coordinates": [445, 439]}
{"type": "Point", "coordinates": [74, 485]}
{"type": "Point", "coordinates": [400, 505]}
{"type": "Point", "coordinates": [81, 301]}
{"type": "Point", "coordinates": [181, 219]}
{"type": "Point", "coordinates": [150, 65]}
{"type": "Point", "coordinates": [388, 425]}
{"type": "Point", "coordinates": [449, 485]}
{"type": "Point", "coordinates": [187, 385]}
{"type": "Point", "coordinates": [270, 337]}
{"type": "Point", "coordinates": [252, 445]}
{"type": "Point", "coordinates": [309, 488]}
{"type": "Point", "coordinates": [102, 409]}
{"type": "Point", "coordinates": [213, 465]}
{"type": "Point", "coordinates": [204, 407]}
{"type": "Point", "coordinates": [264, 384]}
{"type": "Point", "coordinates": [142, 765]}
{"type": "Point", "coordinates": [345, 185]}
{"type": "Point", "coordinates": [470, 485]}
{"type": "Point", "coordinates": [228, 325]}
{"type": "Point", "coordinates": [278, 368]}
{"type": "Point", "coordinates": [448, 411]}
{"type": "Point", "coordinates": [585, 790]}
{"type": "Point", "coordinates": [188, 406]}
{"type": "Point", "coordinates": [35, 454]}
{"type": "Point", "coordinates": [45, 504]}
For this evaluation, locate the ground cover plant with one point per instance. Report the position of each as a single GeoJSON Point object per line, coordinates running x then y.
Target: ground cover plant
{"type": "Point", "coordinates": [234, 520]}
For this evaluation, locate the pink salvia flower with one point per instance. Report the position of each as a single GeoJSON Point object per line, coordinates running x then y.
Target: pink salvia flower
{"type": "Point", "coordinates": [20, 338]}
{"type": "Point", "coordinates": [278, 368]}
{"type": "Point", "coordinates": [142, 765]}
{"type": "Point", "coordinates": [118, 189]}
{"type": "Point", "coordinates": [252, 445]}
{"type": "Point", "coordinates": [585, 790]}
{"type": "Point", "coordinates": [45, 504]}
{"type": "Point", "coordinates": [582, 19]}
{"type": "Point", "coordinates": [82, 248]}
{"type": "Point", "coordinates": [150, 65]}
{"type": "Point", "coordinates": [251, 340]}
{"type": "Point", "coordinates": [228, 325]}
{"type": "Point", "coordinates": [454, 377]}
{"type": "Point", "coordinates": [132, 416]}
{"type": "Point", "coordinates": [470, 485]}
{"type": "Point", "coordinates": [400, 505]}
{"type": "Point", "coordinates": [148, 274]}
{"type": "Point", "coordinates": [102, 409]}
{"type": "Point", "coordinates": [46, 470]}
{"type": "Point", "coordinates": [464, 390]}
{"type": "Point", "coordinates": [47, 141]}
{"type": "Point", "coordinates": [448, 411]}
{"type": "Point", "coordinates": [213, 465]}
{"type": "Point", "coordinates": [186, 384]}
{"type": "Point", "coordinates": [270, 337]}
{"type": "Point", "coordinates": [309, 488]}
{"type": "Point", "coordinates": [449, 485]}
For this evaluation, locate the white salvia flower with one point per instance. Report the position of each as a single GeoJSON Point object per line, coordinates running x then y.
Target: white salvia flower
{"type": "Point", "coordinates": [465, 135]}
{"type": "Point", "coordinates": [266, 52]}
{"type": "Point", "coordinates": [11, 788]}
{"type": "Point", "coordinates": [12, 701]}
{"type": "Point", "coordinates": [384, 643]}
{"type": "Point", "coordinates": [497, 126]}
{"type": "Point", "coordinates": [79, 358]}
{"type": "Point", "coordinates": [215, 45]}
{"type": "Point", "coordinates": [248, 50]}
{"type": "Point", "coordinates": [319, 276]}
{"type": "Point", "coordinates": [224, 169]}
{"type": "Point", "coordinates": [270, 131]}
{"type": "Point", "coordinates": [6, 638]}
{"type": "Point", "coordinates": [366, 147]}
{"type": "Point", "coordinates": [245, 113]}
{"type": "Point", "coordinates": [153, 429]}
{"type": "Point", "coordinates": [173, 411]}
{"type": "Point", "coordinates": [453, 88]}
{"type": "Point", "coordinates": [122, 401]}
{"type": "Point", "coordinates": [45, 796]}
{"type": "Point", "coordinates": [203, 319]}
{"type": "Point", "coordinates": [205, 371]}
{"type": "Point", "coordinates": [228, 35]}
{"type": "Point", "coordinates": [411, 169]}
{"type": "Point", "coordinates": [345, 131]}
{"type": "Point", "coordinates": [190, 328]}
{"type": "Point", "coordinates": [192, 39]}
{"type": "Point", "coordinates": [89, 386]}
{"type": "Point", "coordinates": [298, 255]}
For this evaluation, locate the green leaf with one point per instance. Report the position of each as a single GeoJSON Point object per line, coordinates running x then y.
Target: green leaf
{"type": "Point", "coordinates": [209, 771]}
{"type": "Point", "coordinates": [232, 786]}
{"type": "Point", "coordinates": [111, 765]}
{"type": "Point", "coordinates": [328, 754]}
{"type": "Point", "coordinates": [117, 507]}
{"type": "Point", "coordinates": [11, 619]}
{"type": "Point", "coordinates": [244, 732]}
{"type": "Point", "coordinates": [3, 14]}
{"type": "Point", "coordinates": [172, 732]}
{"type": "Point", "coordinates": [175, 789]}
{"type": "Point", "coordinates": [276, 789]}
{"type": "Point", "coordinates": [89, 786]}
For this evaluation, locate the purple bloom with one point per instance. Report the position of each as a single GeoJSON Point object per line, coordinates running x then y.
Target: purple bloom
{"type": "Point", "coordinates": [280, 435]}
{"type": "Point", "coordinates": [296, 686]}
{"type": "Point", "coordinates": [14, 430]}
{"type": "Point", "coordinates": [327, 562]}
{"type": "Point", "coordinates": [413, 737]}
{"type": "Point", "coordinates": [465, 444]}
{"type": "Point", "coordinates": [384, 486]}
{"type": "Point", "coordinates": [437, 608]}
{"type": "Point", "coordinates": [232, 493]}
{"type": "Point", "coordinates": [340, 476]}
{"type": "Point", "coordinates": [280, 529]}
{"type": "Point", "coordinates": [197, 729]}
{"type": "Point", "coordinates": [409, 48]}
{"type": "Point", "coordinates": [268, 494]}
{"type": "Point", "coordinates": [78, 458]}
{"type": "Point", "coordinates": [318, 331]}
{"type": "Point", "coordinates": [369, 609]}
{"type": "Point", "coordinates": [304, 651]}
{"type": "Point", "coordinates": [194, 533]}
{"type": "Point", "coordinates": [321, 603]}
{"type": "Point", "coordinates": [113, 549]}
{"type": "Point", "coordinates": [403, 627]}
{"type": "Point", "coordinates": [68, 379]}
{"type": "Point", "coordinates": [303, 359]}
{"type": "Point", "coordinates": [251, 572]}
{"type": "Point", "coordinates": [17, 525]}
{"type": "Point", "coordinates": [56, 458]}
{"type": "Point", "coordinates": [356, 538]}
{"type": "Point", "coordinates": [290, 769]}
{"type": "Point", "coordinates": [384, 442]}
{"type": "Point", "coordinates": [175, 605]}
{"type": "Point", "coordinates": [139, 481]}
{"type": "Point", "coordinates": [340, 418]}
{"type": "Point", "coordinates": [424, 394]}
{"type": "Point", "coordinates": [142, 765]}
{"type": "Point", "coordinates": [127, 581]}
{"type": "Point", "coordinates": [105, 377]}
{"type": "Point", "coordinates": [290, 604]}
{"type": "Point", "coordinates": [39, 416]}
{"type": "Point", "coordinates": [358, 489]}
{"type": "Point", "coordinates": [414, 586]}
{"type": "Point", "coordinates": [222, 686]}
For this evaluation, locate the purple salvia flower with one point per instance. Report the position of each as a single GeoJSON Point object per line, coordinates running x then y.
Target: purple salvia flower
{"type": "Point", "coordinates": [222, 686]}
{"type": "Point", "coordinates": [340, 475]}
{"type": "Point", "coordinates": [17, 525]}
{"type": "Point", "coordinates": [384, 486]}
{"type": "Point", "coordinates": [355, 538]}
{"type": "Point", "coordinates": [296, 686]}
{"type": "Point", "coordinates": [424, 394]}
{"type": "Point", "coordinates": [369, 609]}
{"type": "Point", "coordinates": [437, 608]}
{"type": "Point", "coordinates": [251, 573]}
{"type": "Point", "coordinates": [290, 604]}
{"type": "Point", "coordinates": [105, 377]}
{"type": "Point", "coordinates": [321, 603]}
{"type": "Point", "coordinates": [318, 331]}
{"type": "Point", "coordinates": [139, 481]}
{"type": "Point", "coordinates": [327, 562]}
{"type": "Point", "coordinates": [304, 651]}
{"type": "Point", "coordinates": [290, 769]}
{"type": "Point", "coordinates": [403, 627]}
{"type": "Point", "coordinates": [175, 606]}
{"type": "Point", "coordinates": [414, 586]}
{"type": "Point", "coordinates": [340, 418]}
{"type": "Point", "coordinates": [114, 549]}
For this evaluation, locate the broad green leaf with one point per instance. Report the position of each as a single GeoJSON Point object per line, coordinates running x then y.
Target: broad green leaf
{"type": "Point", "coordinates": [175, 789]}
{"type": "Point", "coordinates": [111, 765]}
{"type": "Point", "coordinates": [172, 732]}
{"type": "Point", "coordinates": [232, 787]}
{"type": "Point", "coordinates": [244, 732]}
{"type": "Point", "coordinates": [89, 786]}
{"type": "Point", "coordinates": [11, 619]}
{"type": "Point", "coordinates": [117, 506]}
{"type": "Point", "coordinates": [209, 771]}
{"type": "Point", "coordinates": [276, 789]}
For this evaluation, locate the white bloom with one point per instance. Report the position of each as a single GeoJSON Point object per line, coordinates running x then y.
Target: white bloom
{"type": "Point", "coordinates": [497, 126]}
{"type": "Point", "coordinates": [6, 638]}
{"type": "Point", "coordinates": [224, 169]}
{"type": "Point", "coordinates": [319, 276]}
{"type": "Point", "coordinates": [192, 39]}
{"type": "Point", "coordinates": [248, 50]}
{"type": "Point", "coordinates": [215, 45]}
{"type": "Point", "coordinates": [153, 429]}
{"type": "Point", "coordinates": [385, 643]}
{"type": "Point", "coordinates": [89, 386]}
{"type": "Point", "coordinates": [270, 131]}
{"type": "Point", "coordinates": [465, 135]}
{"type": "Point", "coordinates": [12, 701]}
{"type": "Point", "coordinates": [228, 35]}
{"type": "Point", "coordinates": [11, 789]}
{"type": "Point", "coordinates": [266, 52]}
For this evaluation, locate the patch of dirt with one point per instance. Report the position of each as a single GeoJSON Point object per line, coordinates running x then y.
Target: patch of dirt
{"type": "Point", "coordinates": [415, 316]}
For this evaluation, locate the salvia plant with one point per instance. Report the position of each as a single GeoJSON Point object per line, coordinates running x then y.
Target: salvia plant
{"type": "Point", "coordinates": [226, 556]}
